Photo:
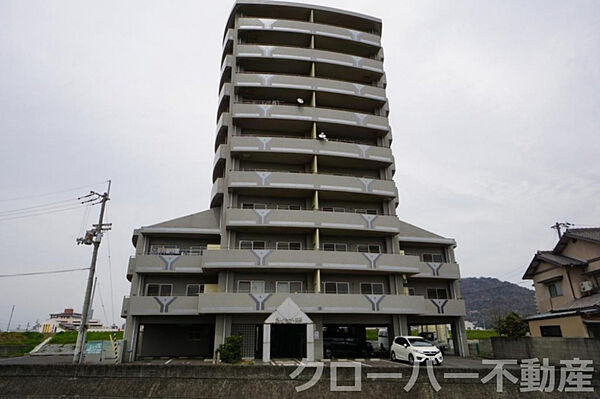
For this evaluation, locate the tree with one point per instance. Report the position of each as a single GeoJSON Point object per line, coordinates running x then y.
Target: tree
{"type": "Point", "coordinates": [231, 350]}
{"type": "Point", "coordinates": [512, 325]}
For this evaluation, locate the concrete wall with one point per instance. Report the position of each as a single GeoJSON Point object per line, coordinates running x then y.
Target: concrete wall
{"type": "Point", "coordinates": [9, 349]}
{"type": "Point", "coordinates": [152, 381]}
{"type": "Point", "coordinates": [555, 349]}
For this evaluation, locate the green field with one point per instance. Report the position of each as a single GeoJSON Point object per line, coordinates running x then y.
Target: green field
{"type": "Point", "coordinates": [481, 334]}
{"type": "Point", "coordinates": [29, 339]}
{"type": "Point", "coordinates": [71, 337]}
{"type": "Point", "coordinates": [372, 334]}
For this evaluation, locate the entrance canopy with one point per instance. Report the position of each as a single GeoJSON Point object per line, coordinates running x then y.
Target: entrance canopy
{"type": "Point", "coordinates": [288, 313]}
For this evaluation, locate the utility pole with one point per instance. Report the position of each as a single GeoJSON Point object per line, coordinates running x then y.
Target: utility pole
{"type": "Point", "coordinates": [558, 226]}
{"type": "Point", "coordinates": [92, 237]}
{"type": "Point", "coordinates": [10, 318]}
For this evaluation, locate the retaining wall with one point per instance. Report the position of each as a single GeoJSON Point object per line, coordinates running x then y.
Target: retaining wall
{"type": "Point", "coordinates": [159, 381]}
{"type": "Point", "coordinates": [553, 348]}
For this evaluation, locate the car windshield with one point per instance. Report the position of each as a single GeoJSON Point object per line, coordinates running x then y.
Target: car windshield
{"type": "Point", "coordinates": [419, 342]}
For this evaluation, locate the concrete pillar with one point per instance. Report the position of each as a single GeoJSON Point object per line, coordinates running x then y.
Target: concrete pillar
{"type": "Point", "coordinates": [266, 343]}
{"type": "Point", "coordinates": [459, 337]}
{"type": "Point", "coordinates": [399, 326]}
{"type": "Point", "coordinates": [222, 329]}
{"type": "Point", "coordinates": [310, 342]}
{"type": "Point", "coordinates": [130, 338]}
{"type": "Point", "coordinates": [318, 340]}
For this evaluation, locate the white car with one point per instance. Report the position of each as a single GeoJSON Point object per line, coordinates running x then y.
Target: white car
{"type": "Point", "coordinates": [415, 349]}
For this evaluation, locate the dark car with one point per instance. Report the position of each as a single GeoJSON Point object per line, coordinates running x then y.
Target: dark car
{"type": "Point", "coordinates": [344, 341]}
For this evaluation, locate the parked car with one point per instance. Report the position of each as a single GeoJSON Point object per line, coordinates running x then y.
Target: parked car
{"type": "Point", "coordinates": [432, 337]}
{"type": "Point", "coordinates": [345, 341]}
{"type": "Point", "coordinates": [415, 349]}
{"type": "Point", "coordinates": [382, 339]}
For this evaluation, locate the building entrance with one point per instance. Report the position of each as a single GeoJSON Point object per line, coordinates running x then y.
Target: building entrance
{"type": "Point", "coordinates": [288, 341]}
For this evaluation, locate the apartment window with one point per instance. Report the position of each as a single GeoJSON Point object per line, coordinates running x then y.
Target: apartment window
{"type": "Point", "coordinates": [288, 286]}
{"type": "Point", "coordinates": [411, 291]}
{"type": "Point", "coordinates": [248, 205]}
{"type": "Point", "coordinates": [437, 293]}
{"type": "Point", "coordinates": [194, 289]}
{"type": "Point", "coordinates": [368, 248]}
{"type": "Point", "coordinates": [371, 288]}
{"type": "Point", "coordinates": [432, 258]}
{"type": "Point", "coordinates": [246, 244]}
{"type": "Point", "coordinates": [333, 209]}
{"type": "Point", "coordinates": [555, 289]}
{"type": "Point", "coordinates": [164, 250]}
{"type": "Point", "coordinates": [367, 211]}
{"type": "Point", "coordinates": [336, 287]}
{"type": "Point", "coordinates": [254, 286]}
{"type": "Point", "coordinates": [194, 250]}
{"type": "Point", "coordinates": [288, 246]}
{"type": "Point", "coordinates": [550, 331]}
{"type": "Point", "coordinates": [159, 289]}
{"type": "Point", "coordinates": [289, 207]}
{"type": "Point", "coordinates": [340, 247]}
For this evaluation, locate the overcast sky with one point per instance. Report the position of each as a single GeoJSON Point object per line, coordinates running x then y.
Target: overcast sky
{"type": "Point", "coordinates": [494, 110]}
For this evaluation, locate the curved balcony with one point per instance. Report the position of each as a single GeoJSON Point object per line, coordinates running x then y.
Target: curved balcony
{"type": "Point", "coordinates": [224, 96]}
{"type": "Point", "coordinates": [222, 125]}
{"type": "Point", "coordinates": [216, 194]}
{"type": "Point", "coordinates": [226, 68]}
{"type": "Point", "coordinates": [374, 93]}
{"type": "Point", "coordinates": [279, 147]}
{"type": "Point", "coordinates": [365, 122]}
{"type": "Point", "coordinates": [308, 181]}
{"type": "Point", "coordinates": [438, 270]}
{"type": "Point", "coordinates": [338, 222]}
{"type": "Point", "coordinates": [308, 260]}
{"type": "Point", "coordinates": [219, 162]}
{"type": "Point", "coordinates": [295, 54]}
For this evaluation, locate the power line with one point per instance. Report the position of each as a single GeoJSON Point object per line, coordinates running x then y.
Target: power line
{"type": "Point", "coordinates": [32, 208]}
{"type": "Point", "coordinates": [40, 273]}
{"type": "Point", "coordinates": [52, 193]}
{"type": "Point", "coordinates": [2, 219]}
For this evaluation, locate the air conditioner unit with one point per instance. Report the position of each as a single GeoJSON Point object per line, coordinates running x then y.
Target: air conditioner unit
{"type": "Point", "coordinates": [586, 286]}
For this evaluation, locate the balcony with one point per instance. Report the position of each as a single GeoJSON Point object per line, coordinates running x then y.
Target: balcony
{"type": "Point", "coordinates": [334, 222]}
{"type": "Point", "coordinates": [216, 194]}
{"type": "Point", "coordinates": [365, 122]}
{"type": "Point", "coordinates": [282, 25]}
{"type": "Point", "coordinates": [223, 125]}
{"type": "Point", "coordinates": [329, 92]}
{"type": "Point", "coordinates": [358, 186]}
{"type": "Point", "coordinates": [438, 270]}
{"type": "Point", "coordinates": [165, 264]}
{"type": "Point", "coordinates": [445, 307]}
{"type": "Point", "coordinates": [345, 67]}
{"type": "Point", "coordinates": [308, 260]}
{"type": "Point", "coordinates": [219, 162]}
{"type": "Point", "coordinates": [160, 306]}
{"type": "Point", "coordinates": [280, 147]}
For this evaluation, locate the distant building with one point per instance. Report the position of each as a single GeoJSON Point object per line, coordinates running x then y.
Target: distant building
{"type": "Point", "coordinates": [567, 283]}
{"type": "Point", "coordinates": [469, 325]}
{"type": "Point", "coordinates": [68, 320]}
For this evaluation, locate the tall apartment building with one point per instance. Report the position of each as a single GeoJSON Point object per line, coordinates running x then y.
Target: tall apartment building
{"type": "Point", "coordinates": [301, 242]}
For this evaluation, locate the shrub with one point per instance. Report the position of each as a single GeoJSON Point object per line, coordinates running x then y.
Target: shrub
{"type": "Point", "coordinates": [231, 350]}
{"type": "Point", "coordinates": [512, 325]}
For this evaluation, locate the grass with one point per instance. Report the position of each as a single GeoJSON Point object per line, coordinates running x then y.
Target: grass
{"type": "Point", "coordinates": [29, 339]}
{"type": "Point", "coordinates": [372, 334]}
{"type": "Point", "coordinates": [481, 334]}
{"type": "Point", "coordinates": [70, 337]}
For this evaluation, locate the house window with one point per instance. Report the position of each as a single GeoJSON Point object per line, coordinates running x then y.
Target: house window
{"type": "Point", "coordinates": [288, 246]}
{"type": "Point", "coordinates": [194, 289]}
{"type": "Point", "coordinates": [550, 331]}
{"type": "Point", "coordinates": [329, 246]}
{"type": "Point", "coordinates": [289, 286]}
{"type": "Point", "coordinates": [368, 248]}
{"type": "Point", "coordinates": [244, 244]}
{"type": "Point", "coordinates": [254, 286]}
{"type": "Point", "coordinates": [432, 258]}
{"type": "Point", "coordinates": [371, 288]}
{"type": "Point", "coordinates": [159, 289]}
{"type": "Point", "coordinates": [555, 289]}
{"type": "Point", "coordinates": [336, 287]}
{"type": "Point", "coordinates": [437, 293]}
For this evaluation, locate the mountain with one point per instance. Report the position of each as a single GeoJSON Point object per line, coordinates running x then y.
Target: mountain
{"type": "Point", "coordinates": [487, 299]}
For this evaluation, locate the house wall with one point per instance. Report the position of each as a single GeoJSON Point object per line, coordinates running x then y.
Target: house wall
{"type": "Point", "coordinates": [571, 326]}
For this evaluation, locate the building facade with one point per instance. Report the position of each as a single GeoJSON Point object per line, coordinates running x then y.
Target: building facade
{"type": "Point", "coordinates": [67, 320]}
{"type": "Point", "coordinates": [301, 243]}
{"type": "Point", "coordinates": [567, 286]}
